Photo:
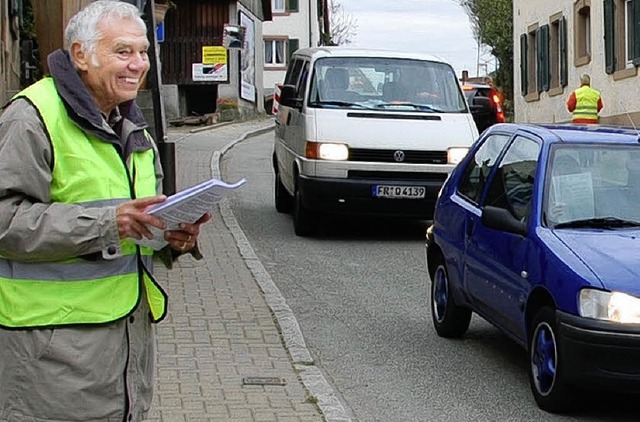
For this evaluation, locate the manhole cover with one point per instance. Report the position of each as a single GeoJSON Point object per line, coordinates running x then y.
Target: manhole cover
{"type": "Point", "coordinates": [263, 381]}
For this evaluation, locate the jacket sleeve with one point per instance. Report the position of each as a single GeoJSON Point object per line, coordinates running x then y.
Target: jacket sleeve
{"type": "Point", "coordinates": [571, 102]}
{"type": "Point", "coordinates": [31, 227]}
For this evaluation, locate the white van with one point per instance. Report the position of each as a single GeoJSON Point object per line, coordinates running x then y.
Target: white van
{"type": "Point", "coordinates": [366, 132]}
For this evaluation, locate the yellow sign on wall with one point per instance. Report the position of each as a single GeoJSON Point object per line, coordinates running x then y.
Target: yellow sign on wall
{"type": "Point", "coordinates": [214, 54]}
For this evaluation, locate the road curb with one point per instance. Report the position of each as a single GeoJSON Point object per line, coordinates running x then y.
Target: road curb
{"type": "Point", "coordinates": [311, 376]}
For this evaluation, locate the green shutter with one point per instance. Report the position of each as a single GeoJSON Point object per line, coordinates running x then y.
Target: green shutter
{"type": "Point", "coordinates": [292, 45]}
{"type": "Point", "coordinates": [542, 57]}
{"type": "Point", "coordinates": [636, 32]}
{"type": "Point", "coordinates": [292, 5]}
{"type": "Point", "coordinates": [564, 57]}
{"type": "Point", "coordinates": [609, 41]}
{"type": "Point", "coordinates": [524, 67]}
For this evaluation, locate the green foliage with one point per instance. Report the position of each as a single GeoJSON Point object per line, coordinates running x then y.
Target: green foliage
{"type": "Point", "coordinates": [492, 22]}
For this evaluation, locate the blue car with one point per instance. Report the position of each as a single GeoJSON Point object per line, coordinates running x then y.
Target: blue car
{"type": "Point", "coordinates": [537, 231]}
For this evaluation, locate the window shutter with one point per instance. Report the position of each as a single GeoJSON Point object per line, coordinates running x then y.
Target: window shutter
{"type": "Point", "coordinates": [542, 58]}
{"type": "Point", "coordinates": [564, 57]}
{"type": "Point", "coordinates": [524, 77]}
{"type": "Point", "coordinates": [636, 32]}
{"type": "Point", "coordinates": [609, 42]}
{"type": "Point", "coordinates": [292, 45]}
{"type": "Point", "coordinates": [292, 5]}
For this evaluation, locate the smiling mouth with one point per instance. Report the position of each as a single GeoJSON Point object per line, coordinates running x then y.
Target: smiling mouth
{"type": "Point", "coordinates": [132, 81]}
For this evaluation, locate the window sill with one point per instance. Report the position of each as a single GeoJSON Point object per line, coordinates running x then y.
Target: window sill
{"type": "Point", "coordinates": [275, 67]}
{"type": "Point", "coordinates": [555, 91]}
{"type": "Point", "coordinates": [618, 75]}
{"type": "Point", "coordinates": [582, 60]}
{"type": "Point", "coordinates": [532, 96]}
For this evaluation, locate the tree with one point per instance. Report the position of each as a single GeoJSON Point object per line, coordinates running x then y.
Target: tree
{"type": "Point", "coordinates": [342, 25]}
{"type": "Point", "coordinates": [492, 23]}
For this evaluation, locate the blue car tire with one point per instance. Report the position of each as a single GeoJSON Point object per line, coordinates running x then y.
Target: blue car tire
{"type": "Point", "coordinates": [548, 384]}
{"type": "Point", "coordinates": [449, 319]}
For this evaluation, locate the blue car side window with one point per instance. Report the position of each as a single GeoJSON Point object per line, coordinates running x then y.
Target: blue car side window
{"type": "Point", "coordinates": [475, 175]}
{"type": "Point", "coordinates": [512, 185]}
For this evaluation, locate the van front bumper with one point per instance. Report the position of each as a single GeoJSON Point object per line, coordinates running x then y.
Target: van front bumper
{"type": "Point", "coordinates": [354, 197]}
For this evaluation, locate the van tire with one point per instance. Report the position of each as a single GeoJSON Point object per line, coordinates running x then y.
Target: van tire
{"type": "Point", "coordinates": [284, 201]}
{"type": "Point", "coordinates": [303, 218]}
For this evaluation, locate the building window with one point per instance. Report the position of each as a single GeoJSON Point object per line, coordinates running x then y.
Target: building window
{"type": "Point", "coordinates": [274, 52]}
{"type": "Point", "coordinates": [284, 6]}
{"type": "Point", "coordinates": [529, 62]}
{"type": "Point", "coordinates": [582, 32]}
{"type": "Point", "coordinates": [622, 37]}
{"type": "Point", "coordinates": [558, 72]}
{"type": "Point", "coordinates": [277, 6]}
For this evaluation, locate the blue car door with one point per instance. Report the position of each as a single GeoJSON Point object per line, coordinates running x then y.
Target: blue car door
{"type": "Point", "coordinates": [496, 262]}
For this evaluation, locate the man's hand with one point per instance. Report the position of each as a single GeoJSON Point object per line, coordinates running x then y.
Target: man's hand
{"type": "Point", "coordinates": [133, 221]}
{"type": "Point", "coordinates": [185, 239]}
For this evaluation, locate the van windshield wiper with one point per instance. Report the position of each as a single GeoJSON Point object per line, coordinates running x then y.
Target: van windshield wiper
{"type": "Point", "coordinates": [335, 103]}
{"type": "Point", "coordinates": [599, 223]}
{"type": "Point", "coordinates": [421, 107]}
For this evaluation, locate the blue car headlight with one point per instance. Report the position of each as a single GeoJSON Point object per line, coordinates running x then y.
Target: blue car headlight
{"type": "Point", "coordinates": [609, 306]}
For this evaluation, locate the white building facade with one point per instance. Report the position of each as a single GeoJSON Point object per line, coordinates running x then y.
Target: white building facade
{"type": "Point", "coordinates": [555, 42]}
{"type": "Point", "coordinates": [294, 25]}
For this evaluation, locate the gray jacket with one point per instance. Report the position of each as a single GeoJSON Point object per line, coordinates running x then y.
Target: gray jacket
{"type": "Point", "coordinates": [80, 373]}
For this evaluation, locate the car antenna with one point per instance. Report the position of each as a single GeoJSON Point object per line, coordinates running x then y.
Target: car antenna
{"type": "Point", "coordinates": [634, 126]}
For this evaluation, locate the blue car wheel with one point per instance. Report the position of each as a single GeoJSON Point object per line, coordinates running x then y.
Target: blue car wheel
{"type": "Point", "coordinates": [449, 319]}
{"type": "Point", "coordinates": [548, 384]}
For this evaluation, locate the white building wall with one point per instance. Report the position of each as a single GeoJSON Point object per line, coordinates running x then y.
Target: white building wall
{"type": "Point", "coordinates": [302, 25]}
{"type": "Point", "coordinates": [620, 97]}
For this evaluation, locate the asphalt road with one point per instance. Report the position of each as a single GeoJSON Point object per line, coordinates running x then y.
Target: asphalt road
{"type": "Point", "coordinates": [359, 291]}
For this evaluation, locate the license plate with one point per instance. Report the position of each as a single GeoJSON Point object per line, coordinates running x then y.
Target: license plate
{"type": "Point", "coordinates": [398, 192]}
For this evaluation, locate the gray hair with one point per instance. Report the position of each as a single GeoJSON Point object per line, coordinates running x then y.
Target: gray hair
{"type": "Point", "coordinates": [585, 79]}
{"type": "Point", "coordinates": [83, 26]}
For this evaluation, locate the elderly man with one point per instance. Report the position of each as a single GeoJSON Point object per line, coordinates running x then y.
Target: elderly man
{"type": "Point", "coordinates": [585, 102]}
{"type": "Point", "coordinates": [77, 171]}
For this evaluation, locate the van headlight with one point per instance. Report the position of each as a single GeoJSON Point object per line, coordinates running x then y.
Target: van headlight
{"type": "Point", "coordinates": [327, 151]}
{"type": "Point", "coordinates": [609, 306]}
{"type": "Point", "coordinates": [455, 155]}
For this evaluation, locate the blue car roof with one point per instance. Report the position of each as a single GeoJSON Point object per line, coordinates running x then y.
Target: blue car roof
{"type": "Point", "coordinates": [569, 133]}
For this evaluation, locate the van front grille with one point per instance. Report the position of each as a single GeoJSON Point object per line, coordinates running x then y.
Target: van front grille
{"type": "Point", "coordinates": [398, 156]}
{"type": "Point", "coordinates": [396, 175]}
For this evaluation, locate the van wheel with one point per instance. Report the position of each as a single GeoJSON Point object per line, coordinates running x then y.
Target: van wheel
{"type": "Point", "coordinates": [546, 373]}
{"type": "Point", "coordinates": [284, 201]}
{"type": "Point", "coordinates": [449, 319]}
{"type": "Point", "coordinates": [303, 219]}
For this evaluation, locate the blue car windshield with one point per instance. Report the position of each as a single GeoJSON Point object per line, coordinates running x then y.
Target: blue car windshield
{"type": "Point", "coordinates": [593, 186]}
{"type": "Point", "coordinates": [379, 83]}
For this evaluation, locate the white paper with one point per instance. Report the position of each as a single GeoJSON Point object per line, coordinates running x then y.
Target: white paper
{"type": "Point", "coordinates": [187, 206]}
{"type": "Point", "coordinates": [575, 193]}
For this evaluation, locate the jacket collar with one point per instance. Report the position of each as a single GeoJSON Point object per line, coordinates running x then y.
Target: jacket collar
{"type": "Point", "coordinates": [81, 107]}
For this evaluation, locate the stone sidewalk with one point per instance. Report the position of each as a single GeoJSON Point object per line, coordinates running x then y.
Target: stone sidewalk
{"type": "Point", "coordinates": [230, 348]}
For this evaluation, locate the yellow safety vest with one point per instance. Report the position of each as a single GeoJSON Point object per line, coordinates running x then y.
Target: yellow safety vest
{"type": "Point", "coordinates": [90, 172]}
{"type": "Point", "coordinates": [586, 104]}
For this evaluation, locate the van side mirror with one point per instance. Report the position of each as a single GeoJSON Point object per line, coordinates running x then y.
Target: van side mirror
{"type": "Point", "coordinates": [289, 97]}
{"type": "Point", "coordinates": [480, 105]}
{"type": "Point", "coordinates": [501, 219]}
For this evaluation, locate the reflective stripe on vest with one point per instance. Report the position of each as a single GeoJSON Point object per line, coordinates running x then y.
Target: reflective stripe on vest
{"type": "Point", "coordinates": [88, 172]}
{"type": "Point", "coordinates": [586, 104]}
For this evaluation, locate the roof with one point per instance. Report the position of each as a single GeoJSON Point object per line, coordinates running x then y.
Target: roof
{"type": "Point", "coordinates": [340, 51]}
{"type": "Point", "coordinates": [572, 133]}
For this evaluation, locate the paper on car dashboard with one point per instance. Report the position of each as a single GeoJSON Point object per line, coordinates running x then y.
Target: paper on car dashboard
{"type": "Point", "coordinates": [187, 206]}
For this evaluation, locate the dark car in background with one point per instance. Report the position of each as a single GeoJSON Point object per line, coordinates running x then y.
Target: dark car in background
{"type": "Point", "coordinates": [485, 103]}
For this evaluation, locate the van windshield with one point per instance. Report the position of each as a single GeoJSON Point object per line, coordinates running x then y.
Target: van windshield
{"type": "Point", "coordinates": [385, 84]}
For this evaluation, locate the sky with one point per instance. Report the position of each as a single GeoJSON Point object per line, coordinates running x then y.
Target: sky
{"type": "Point", "coordinates": [439, 27]}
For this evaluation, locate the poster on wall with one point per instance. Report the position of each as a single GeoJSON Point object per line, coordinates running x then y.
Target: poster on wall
{"type": "Point", "coordinates": [248, 60]}
{"type": "Point", "coordinates": [213, 67]}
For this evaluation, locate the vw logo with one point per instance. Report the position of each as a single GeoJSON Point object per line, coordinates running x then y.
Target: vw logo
{"type": "Point", "coordinates": [398, 156]}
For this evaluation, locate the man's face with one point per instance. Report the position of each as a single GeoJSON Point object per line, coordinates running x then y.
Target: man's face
{"type": "Point", "coordinates": [114, 74]}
